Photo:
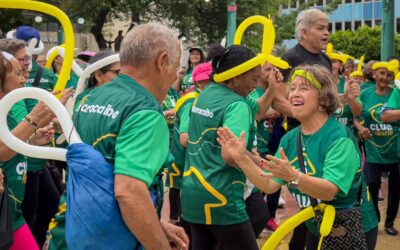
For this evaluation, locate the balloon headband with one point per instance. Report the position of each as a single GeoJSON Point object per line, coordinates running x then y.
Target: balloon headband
{"type": "Point", "coordinates": [359, 71]}
{"type": "Point", "coordinates": [260, 59]}
{"type": "Point", "coordinates": [397, 80]}
{"type": "Point", "coordinates": [336, 56]}
{"type": "Point", "coordinates": [67, 27]}
{"type": "Point", "coordinates": [390, 66]}
{"type": "Point", "coordinates": [306, 75]}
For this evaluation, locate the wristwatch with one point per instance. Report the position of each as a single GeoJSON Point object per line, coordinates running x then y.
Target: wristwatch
{"type": "Point", "coordinates": [295, 182]}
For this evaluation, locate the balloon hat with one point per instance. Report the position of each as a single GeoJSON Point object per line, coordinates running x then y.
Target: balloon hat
{"type": "Point", "coordinates": [67, 27]}
{"type": "Point", "coordinates": [260, 59]}
{"type": "Point", "coordinates": [359, 71]}
{"type": "Point", "coordinates": [397, 80]}
{"type": "Point", "coordinates": [302, 216]}
{"type": "Point", "coordinates": [392, 66]}
{"type": "Point", "coordinates": [336, 56]}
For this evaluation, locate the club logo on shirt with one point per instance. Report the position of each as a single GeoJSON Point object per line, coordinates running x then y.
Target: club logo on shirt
{"type": "Point", "coordinates": [379, 128]}
{"type": "Point", "coordinates": [102, 110]}
{"type": "Point", "coordinates": [21, 170]}
{"type": "Point", "coordinates": [202, 112]}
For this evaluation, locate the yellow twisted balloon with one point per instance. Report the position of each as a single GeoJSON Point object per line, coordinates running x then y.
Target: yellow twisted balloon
{"type": "Point", "coordinates": [336, 56]}
{"type": "Point", "coordinates": [260, 59]}
{"type": "Point", "coordinates": [67, 27]}
{"type": "Point", "coordinates": [359, 71]}
{"type": "Point", "coordinates": [53, 54]}
{"type": "Point", "coordinates": [302, 216]}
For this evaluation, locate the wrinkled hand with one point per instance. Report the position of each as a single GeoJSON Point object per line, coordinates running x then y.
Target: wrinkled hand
{"type": "Point", "coordinates": [365, 133]}
{"type": "Point", "coordinates": [352, 89]}
{"type": "Point", "coordinates": [41, 114]}
{"type": "Point", "coordinates": [280, 168]}
{"type": "Point", "coordinates": [1, 181]}
{"type": "Point", "coordinates": [232, 147]}
{"type": "Point", "coordinates": [43, 136]}
{"type": "Point", "coordinates": [176, 236]}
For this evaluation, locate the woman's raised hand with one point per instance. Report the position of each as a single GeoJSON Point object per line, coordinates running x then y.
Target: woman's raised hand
{"type": "Point", "coordinates": [232, 147]}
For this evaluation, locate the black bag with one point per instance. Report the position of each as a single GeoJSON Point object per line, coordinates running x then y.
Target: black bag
{"type": "Point", "coordinates": [6, 233]}
{"type": "Point", "coordinates": [347, 230]}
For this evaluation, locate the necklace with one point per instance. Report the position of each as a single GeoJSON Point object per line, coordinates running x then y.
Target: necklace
{"type": "Point", "coordinates": [304, 142]}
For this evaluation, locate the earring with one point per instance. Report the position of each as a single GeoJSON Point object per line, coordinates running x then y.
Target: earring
{"type": "Point", "coordinates": [322, 109]}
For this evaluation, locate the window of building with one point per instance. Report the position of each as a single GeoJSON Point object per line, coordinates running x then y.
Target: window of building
{"type": "Point", "coordinates": [357, 24]}
{"type": "Point", "coordinates": [347, 25]}
{"type": "Point", "coordinates": [347, 1]}
{"type": "Point", "coordinates": [292, 3]}
{"type": "Point", "coordinates": [338, 26]}
{"type": "Point", "coordinates": [368, 23]}
{"type": "Point", "coordinates": [320, 2]}
{"type": "Point", "coordinates": [378, 22]}
{"type": "Point", "coordinates": [330, 27]}
{"type": "Point", "coordinates": [357, 1]}
{"type": "Point", "coordinates": [398, 24]}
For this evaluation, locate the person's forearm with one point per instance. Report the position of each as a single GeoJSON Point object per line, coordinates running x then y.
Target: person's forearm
{"type": "Point", "coordinates": [177, 84]}
{"type": "Point", "coordinates": [357, 124]}
{"type": "Point", "coordinates": [22, 131]}
{"type": "Point", "coordinates": [254, 174]}
{"type": "Point", "coordinates": [264, 102]}
{"type": "Point", "coordinates": [139, 213]}
{"type": "Point", "coordinates": [282, 105]}
{"type": "Point", "coordinates": [390, 115]}
{"type": "Point", "coordinates": [355, 107]}
{"type": "Point", "coordinates": [317, 188]}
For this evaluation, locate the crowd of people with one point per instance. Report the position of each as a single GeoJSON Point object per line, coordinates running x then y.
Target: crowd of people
{"type": "Point", "coordinates": [223, 144]}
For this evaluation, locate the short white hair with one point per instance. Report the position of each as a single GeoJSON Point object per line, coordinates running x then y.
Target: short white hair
{"type": "Point", "coordinates": [305, 20]}
{"type": "Point", "coordinates": [145, 42]}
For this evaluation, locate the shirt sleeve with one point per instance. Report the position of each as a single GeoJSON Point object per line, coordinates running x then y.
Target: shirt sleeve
{"type": "Point", "coordinates": [253, 104]}
{"type": "Point", "coordinates": [341, 164]}
{"type": "Point", "coordinates": [142, 146]}
{"type": "Point", "coordinates": [394, 100]}
{"type": "Point", "coordinates": [185, 117]}
{"type": "Point", "coordinates": [238, 118]}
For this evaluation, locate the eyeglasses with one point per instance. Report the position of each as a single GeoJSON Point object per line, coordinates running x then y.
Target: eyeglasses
{"type": "Point", "coordinates": [115, 71]}
{"type": "Point", "coordinates": [24, 59]}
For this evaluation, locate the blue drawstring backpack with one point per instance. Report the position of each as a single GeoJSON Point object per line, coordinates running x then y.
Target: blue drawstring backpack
{"type": "Point", "coordinates": [93, 219]}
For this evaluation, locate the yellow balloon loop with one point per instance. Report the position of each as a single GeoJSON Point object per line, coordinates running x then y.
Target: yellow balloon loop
{"type": "Point", "coordinates": [68, 32]}
{"type": "Point", "coordinates": [260, 59]}
{"type": "Point", "coordinates": [302, 216]}
{"type": "Point", "coordinates": [53, 54]}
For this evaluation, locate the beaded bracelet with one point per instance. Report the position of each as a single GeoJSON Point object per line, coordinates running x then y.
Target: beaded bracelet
{"type": "Point", "coordinates": [31, 123]}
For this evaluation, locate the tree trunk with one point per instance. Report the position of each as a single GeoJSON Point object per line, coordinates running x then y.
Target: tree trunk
{"type": "Point", "coordinates": [135, 19]}
{"type": "Point", "coordinates": [97, 29]}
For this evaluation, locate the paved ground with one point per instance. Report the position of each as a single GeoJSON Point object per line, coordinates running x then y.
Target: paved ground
{"type": "Point", "coordinates": [385, 242]}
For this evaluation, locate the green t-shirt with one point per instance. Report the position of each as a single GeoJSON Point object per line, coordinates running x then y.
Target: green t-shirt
{"type": "Point", "coordinates": [264, 127]}
{"type": "Point", "coordinates": [47, 79]}
{"type": "Point", "coordinates": [394, 103]}
{"type": "Point", "coordinates": [330, 153]}
{"type": "Point", "coordinates": [343, 113]}
{"type": "Point", "coordinates": [218, 188]}
{"type": "Point", "coordinates": [130, 131]}
{"type": "Point", "coordinates": [382, 147]}
{"type": "Point", "coordinates": [15, 170]}
{"type": "Point", "coordinates": [169, 103]}
{"type": "Point", "coordinates": [187, 80]}
{"type": "Point", "coordinates": [181, 125]}
{"type": "Point", "coordinates": [367, 85]}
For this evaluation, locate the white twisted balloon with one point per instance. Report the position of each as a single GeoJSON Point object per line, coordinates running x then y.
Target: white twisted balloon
{"type": "Point", "coordinates": [59, 110]}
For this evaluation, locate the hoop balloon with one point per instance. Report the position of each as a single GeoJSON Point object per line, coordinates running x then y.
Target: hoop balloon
{"type": "Point", "coordinates": [61, 113]}
{"type": "Point", "coordinates": [260, 59]}
{"type": "Point", "coordinates": [302, 216]}
{"type": "Point", "coordinates": [66, 25]}
{"type": "Point", "coordinates": [397, 80]}
{"type": "Point", "coordinates": [60, 51]}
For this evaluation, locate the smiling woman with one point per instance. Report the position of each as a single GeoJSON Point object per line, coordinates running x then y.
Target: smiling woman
{"type": "Point", "coordinates": [319, 160]}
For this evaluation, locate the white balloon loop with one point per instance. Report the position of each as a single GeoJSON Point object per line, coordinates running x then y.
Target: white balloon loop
{"type": "Point", "coordinates": [55, 105]}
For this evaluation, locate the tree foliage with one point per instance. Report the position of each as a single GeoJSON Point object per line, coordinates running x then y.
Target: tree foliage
{"type": "Point", "coordinates": [364, 41]}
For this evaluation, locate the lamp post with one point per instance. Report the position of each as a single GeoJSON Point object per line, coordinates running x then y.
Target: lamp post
{"type": "Point", "coordinates": [231, 27]}
{"type": "Point", "coordinates": [387, 36]}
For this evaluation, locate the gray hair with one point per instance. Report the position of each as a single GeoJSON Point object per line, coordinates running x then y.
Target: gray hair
{"type": "Point", "coordinates": [305, 20]}
{"type": "Point", "coordinates": [11, 45]}
{"type": "Point", "coordinates": [145, 42]}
